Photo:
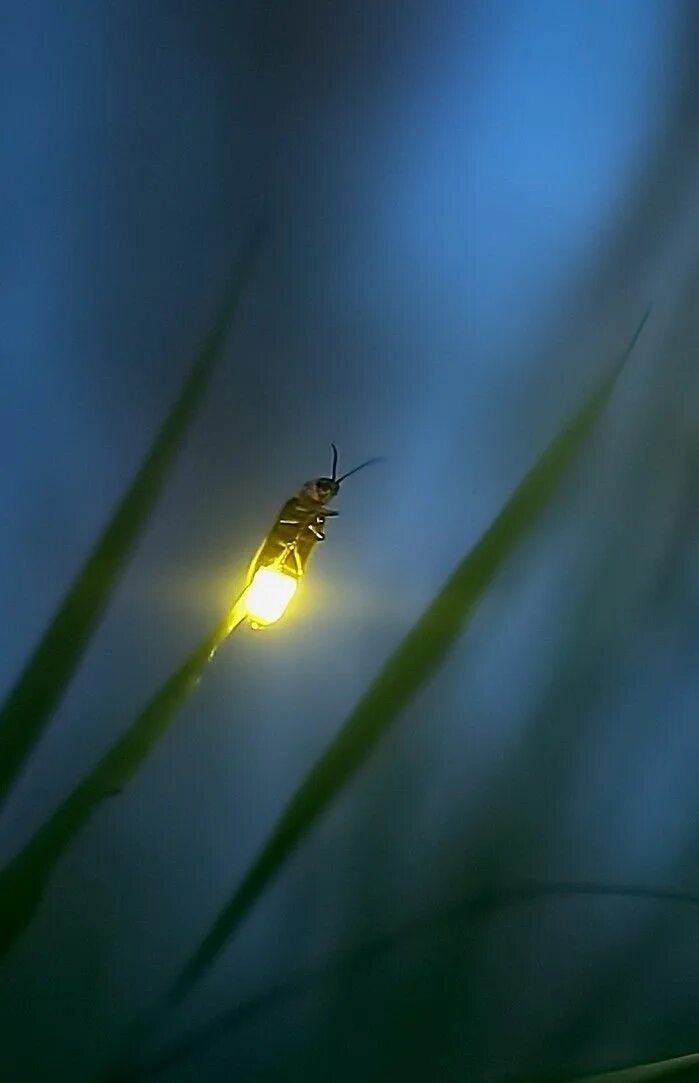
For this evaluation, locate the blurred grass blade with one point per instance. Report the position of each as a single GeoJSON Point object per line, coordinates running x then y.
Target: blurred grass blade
{"type": "Point", "coordinates": [25, 877]}
{"type": "Point", "coordinates": [678, 1068]}
{"type": "Point", "coordinates": [46, 676]}
{"type": "Point", "coordinates": [414, 661]}
{"type": "Point", "coordinates": [480, 906]}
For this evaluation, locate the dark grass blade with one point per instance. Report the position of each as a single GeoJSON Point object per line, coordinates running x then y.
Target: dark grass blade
{"type": "Point", "coordinates": [684, 1068]}
{"type": "Point", "coordinates": [46, 676]}
{"type": "Point", "coordinates": [676, 1069]}
{"type": "Point", "coordinates": [415, 660]}
{"type": "Point", "coordinates": [24, 879]}
{"type": "Point", "coordinates": [481, 906]}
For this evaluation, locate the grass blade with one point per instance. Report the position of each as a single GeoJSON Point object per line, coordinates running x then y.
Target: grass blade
{"type": "Point", "coordinates": [49, 670]}
{"type": "Point", "coordinates": [481, 906]}
{"type": "Point", "coordinates": [685, 1068]}
{"type": "Point", "coordinates": [415, 660]}
{"type": "Point", "coordinates": [24, 879]}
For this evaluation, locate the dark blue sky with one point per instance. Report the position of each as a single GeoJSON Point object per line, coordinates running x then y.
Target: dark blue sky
{"type": "Point", "coordinates": [471, 204]}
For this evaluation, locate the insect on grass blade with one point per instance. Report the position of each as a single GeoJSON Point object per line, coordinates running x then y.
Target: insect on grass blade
{"type": "Point", "coordinates": [415, 660]}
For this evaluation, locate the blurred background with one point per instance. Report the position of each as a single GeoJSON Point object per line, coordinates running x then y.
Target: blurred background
{"type": "Point", "coordinates": [471, 205]}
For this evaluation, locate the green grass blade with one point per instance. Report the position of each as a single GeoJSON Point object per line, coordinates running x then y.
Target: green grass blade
{"type": "Point", "coordinates": [415, 660]}
{"type": "Point", "coordinates": [45, 678]}
{"type": "Point", "coordinates": [685, 1068]}
{"type": "Point", "coordinates": [24, 879]}
{"type": "Point", "coordinates": [480, 906]}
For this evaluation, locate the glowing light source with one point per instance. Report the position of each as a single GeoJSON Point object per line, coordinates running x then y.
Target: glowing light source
{"type": "Point", "coordinates": [268, 595]}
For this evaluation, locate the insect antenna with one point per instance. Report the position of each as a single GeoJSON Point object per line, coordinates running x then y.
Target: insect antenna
{"type": "Point", "coordinates": [369, 462]}
{"type": "Point", "coordinates": [334, 473]}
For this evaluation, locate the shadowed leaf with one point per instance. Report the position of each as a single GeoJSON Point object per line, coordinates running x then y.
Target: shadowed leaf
{"type": "Point", "coordinates": [415, 660]}
{"type": "Point", "coordinates": [46, 676]}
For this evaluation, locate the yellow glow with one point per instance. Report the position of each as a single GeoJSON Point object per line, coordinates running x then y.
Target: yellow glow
{"type": "Point", "coordinates": [268, 595]}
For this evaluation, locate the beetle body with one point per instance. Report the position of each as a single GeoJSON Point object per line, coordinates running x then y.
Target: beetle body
{"type": "Point", "coordinates": [297, 530]}
{"type": "Point", "coordinates": [299, 526]}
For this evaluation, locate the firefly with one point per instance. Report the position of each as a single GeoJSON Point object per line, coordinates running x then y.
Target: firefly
{"type": "Point", "coordinates": [281, 560]}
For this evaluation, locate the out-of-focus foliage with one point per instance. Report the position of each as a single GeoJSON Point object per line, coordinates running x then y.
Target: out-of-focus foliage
{"type": "Point", "coordinates": [23, 880]}
{"type": "Point", "coordinates": [45, 678]}
{"type": "Point", "coordinates": [678, 1068]}
{"type": "Point", "coordinates": [476, 909]}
